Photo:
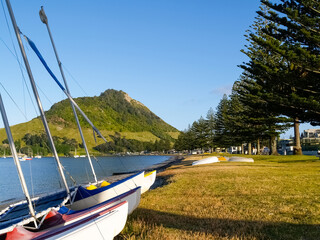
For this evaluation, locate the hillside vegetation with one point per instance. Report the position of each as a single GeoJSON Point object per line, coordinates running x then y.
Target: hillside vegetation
{"type": "Point", "coordinates": [113, 111]}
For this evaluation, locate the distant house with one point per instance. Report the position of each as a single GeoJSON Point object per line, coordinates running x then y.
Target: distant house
{"type": "Point", "coordinates": [234, 150]}
{"type": "Point", "coordinates": [310, 137]}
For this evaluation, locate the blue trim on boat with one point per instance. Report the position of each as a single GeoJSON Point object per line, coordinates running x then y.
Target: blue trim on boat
{"type": "Point", "coordinates": [84, 193]}
{"type": "Point", "coordinates": [68, 211]}
{"type": "Point", "coordinates": [19, 212]}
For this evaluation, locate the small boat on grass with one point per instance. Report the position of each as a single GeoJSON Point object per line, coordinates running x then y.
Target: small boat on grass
{"type": "Point", "coordinates": [92, 195]}
{"type": "Point", "coordinates": [88, 196]}
{"type": "Point", "coordinates": [148, 181]}
{"type": "Point", "coordinates": [240, 159]}
{"type": "Point", "coordinates": [206, 161]}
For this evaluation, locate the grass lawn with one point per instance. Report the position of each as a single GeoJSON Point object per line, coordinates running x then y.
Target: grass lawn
{"type": "Point", "coordinates": [276, 197]}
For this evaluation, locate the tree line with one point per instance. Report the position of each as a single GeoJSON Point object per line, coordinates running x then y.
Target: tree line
{"type": "Point", "coordinates": [37, 144]}
{"type": "Point", "coordinates": [279, 86]}
{"type": "Point", "coordinates": [120, 144]}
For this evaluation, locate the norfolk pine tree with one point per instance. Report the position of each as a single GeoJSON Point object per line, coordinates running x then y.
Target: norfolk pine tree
{"type": "Point", "coordinates": [272, 71]}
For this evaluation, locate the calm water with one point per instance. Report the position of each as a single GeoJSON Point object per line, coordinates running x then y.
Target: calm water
{"type": "Point", "coordinates": [42, 174]}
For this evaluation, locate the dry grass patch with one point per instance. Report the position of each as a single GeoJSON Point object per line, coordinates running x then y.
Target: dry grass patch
{"type": "Point", "coordinates": [272, 198]}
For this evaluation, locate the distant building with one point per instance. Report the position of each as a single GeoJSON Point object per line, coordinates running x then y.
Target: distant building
{"type": "Point", "coordinates": [234, 150]}
{"type": "Point", "coordinates": [310, 137]}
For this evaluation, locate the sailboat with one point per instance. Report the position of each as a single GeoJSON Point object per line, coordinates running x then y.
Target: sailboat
{"type": "Point", "coordinates": [75, 153]}
{"type": "Point", "coordinates": [38, 155]}
{"type": "Point", "coordinates": [41, 212]}
{"type": "Point", "coordinates": [91, 195]}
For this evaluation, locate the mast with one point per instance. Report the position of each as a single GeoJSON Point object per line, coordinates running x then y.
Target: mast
{"type": "Point", "coordinates": [15, 158]}
{"type": "Point", "coordinates": [36, 95]}
{"type": "Point", "coordinates": [44, 19]}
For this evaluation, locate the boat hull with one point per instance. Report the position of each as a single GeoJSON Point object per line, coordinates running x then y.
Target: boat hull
{"type": "Point", "coordinates": [97, 196]}
{"type": "Point", "coordinates": [148, 181]}
{"type": "Point", "coordinates": [103, 222]}
{"type": "Point", "coordinates": [206, 161]}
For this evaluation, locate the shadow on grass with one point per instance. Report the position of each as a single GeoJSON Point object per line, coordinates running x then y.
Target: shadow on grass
{"type": "Point", "coordinates": [298, 161]}
{"type": "Point", "coordinates": [227, 227]}
{"type": "Point", "coordinates": [161, 181]}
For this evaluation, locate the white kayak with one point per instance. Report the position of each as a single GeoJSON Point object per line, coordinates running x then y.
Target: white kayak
{"type": "Point", "coordinates": [206, 161]}
{"type": "Point", "coordinates": [148, 181]}
{"type": "Point", "coordinates": [240, 159]}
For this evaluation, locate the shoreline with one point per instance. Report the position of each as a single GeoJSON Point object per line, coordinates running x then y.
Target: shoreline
{"type": "Point", "coordinates": [160, 167]}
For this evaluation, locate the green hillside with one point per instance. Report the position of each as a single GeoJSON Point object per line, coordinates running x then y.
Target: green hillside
{"type": "Point", "coordinates": [112, 111]}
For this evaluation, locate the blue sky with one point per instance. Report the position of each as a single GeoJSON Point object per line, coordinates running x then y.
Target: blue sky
{"type": "Point", "coordinates": [178, 57]}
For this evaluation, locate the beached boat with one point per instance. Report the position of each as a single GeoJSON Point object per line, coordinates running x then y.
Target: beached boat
{"type": "Point", "coordinates": [92, 195]}
{"type": "Point", "coordinates": [101, 222]}
{"type": "Point", "coordinates": [148, 181]}
{"type": "Point", "coordinates": [206, 161]}
{"type": "Point", "coordinates": [88, 196]}
{"type": "Point", "coordinates": [240, 159]}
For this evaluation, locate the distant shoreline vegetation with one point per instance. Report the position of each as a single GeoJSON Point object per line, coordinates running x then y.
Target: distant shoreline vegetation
{"type": "Point", "coordinates": [37, 144]}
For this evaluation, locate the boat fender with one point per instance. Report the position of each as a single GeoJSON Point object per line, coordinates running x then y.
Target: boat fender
{"type": "Point", "coordinates": [104, 183]}
{"type": "Point", "coordinates": [91, 187]}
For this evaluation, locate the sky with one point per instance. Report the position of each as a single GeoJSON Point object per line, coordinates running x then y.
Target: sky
{"type": "Point", "coordinates": [177, 57]}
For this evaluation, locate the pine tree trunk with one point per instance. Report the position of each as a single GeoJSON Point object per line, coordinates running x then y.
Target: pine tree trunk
{"type": "Point", "coordinates": [258, 146]}
{"type": "Point", "coordinates": [242, 149]}
{"type": "Point", "coordinates": [273, 146]}
{"type": "Point", "coordinates": [297, 145]}
{"type": "Point", "coordinates": [249, 148]}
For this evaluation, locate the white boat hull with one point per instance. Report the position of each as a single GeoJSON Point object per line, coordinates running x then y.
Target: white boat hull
{"type": "Point", "coordinates": [206, 161]}
{"type": "Point", "coordinates": [102, 222]}
{"type": "Point", "coordinates": [148, 181]}
{"type": "Point", "coordinates": [112, 192]}
{"type": "Point", "coordinates": [104, 227]}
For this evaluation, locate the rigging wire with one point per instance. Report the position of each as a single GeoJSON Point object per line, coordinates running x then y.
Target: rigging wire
{"type": "Point", "coordinates": [74, 79]}
{"type": "Point", "coordinates": [12, 100]}
{"type": "Point", "coordinates": [16, 54]}
{"type": "Point", "coordinates": [101, 168]}
{"type": "Point", "coordinates": [19, 62]}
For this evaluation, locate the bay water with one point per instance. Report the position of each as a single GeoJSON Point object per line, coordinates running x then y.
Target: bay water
{"type": "Point", "coordinates": [42, 174]}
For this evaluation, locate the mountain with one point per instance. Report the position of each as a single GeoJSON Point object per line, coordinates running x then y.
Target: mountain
{"type": "Point", "coordinates": [112, 111]}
